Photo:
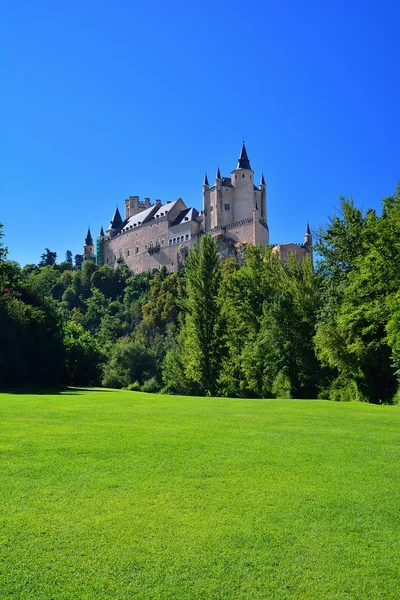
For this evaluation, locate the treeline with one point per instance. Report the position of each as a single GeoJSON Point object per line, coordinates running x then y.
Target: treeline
{"type": "Point", "coordinates": [265, 329]}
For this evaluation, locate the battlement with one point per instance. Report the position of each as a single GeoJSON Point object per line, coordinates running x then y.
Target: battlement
{"type": "Point", "coordinates": [133, 205]}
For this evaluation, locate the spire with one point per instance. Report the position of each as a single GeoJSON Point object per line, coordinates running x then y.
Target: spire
{"type": "Point", "coordinates": [205, 179]}
{"type": "Point", "coordinates": [101, 232]}
{"type": "Point", "coordinates": [262, 182]}
{"type": "Point", "coordinates": [308, 232]}
{"type": "Point", "coordinates": [116, 221]}
{"type": "Point", "coordinates": [244, 162]}
{"type": "Point", "coordinates": [89, 239]}
{"type": "Point", "coordinates": [218, 174]}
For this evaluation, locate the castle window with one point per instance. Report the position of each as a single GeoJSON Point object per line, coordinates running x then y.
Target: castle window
{"type": "Point", "coordinates": [107, 260]}
{"type": "Point", "coordinates": [137, 249]}
{"type": "Point", "coordinates": [128, 252]}
{"type": "Point", "coordinates": [170, 241]}
{"type": "Point", "coordinates": [115, 257]}
{"type": "Point", "coordinates": [211, 208]}
{"type": "Point", "coordinates": [162, 242]}
{"type": "Point", "coordinates": [227, 206]}
{"type": "Point", "coordinates": [243, 175]}
{"type": "Point", "coordinates": [174, 240]}
{"type": "Point", "coordinates": [187, 236]}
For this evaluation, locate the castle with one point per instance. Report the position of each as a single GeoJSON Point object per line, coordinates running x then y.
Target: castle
{"type": "Point", "coordinates": [153, 235]}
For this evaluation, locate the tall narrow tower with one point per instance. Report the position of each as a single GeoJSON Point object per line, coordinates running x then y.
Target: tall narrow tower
{"type": "Point", "coordinates": [206, 204]}
{"type": "Point", "coordinates": [88, 248]}
{"type": "Point", "coordinates": [263, 207]}
{"type": "Point", "coordinates": [242, 179]}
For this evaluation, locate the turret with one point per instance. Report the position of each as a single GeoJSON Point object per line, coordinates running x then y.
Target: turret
{"type": "Point", "coordinates": [115, 223]}
{"type": "Point", "coordinates": [88, 248]}
{"type": "Point", "coordinates": [263, 207]}
{"type": "Point", "coordinates": [308, 238]}
{"type": "Point", "coordinates": [243, 182]}
{"type": "Point", "coordinates": [100, 247]}
{"type": "Point", "coordinates": [206, 204]}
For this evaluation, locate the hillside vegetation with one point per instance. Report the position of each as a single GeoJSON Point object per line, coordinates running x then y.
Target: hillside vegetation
{"type": "Point", "coordinates": [262, 330]}
{"type": "Point", "coordinates": [115, 494]}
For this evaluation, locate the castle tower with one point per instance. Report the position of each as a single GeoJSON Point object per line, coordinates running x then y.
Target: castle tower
{"type": "Point", "coordinates": [308, 239]}
{"type": "Point", "coordinates": [206, 204]}
{"type": "Point", "coordinates": [242, 179]}
{"type": "Point", "coordinates": [263, 207]}
{"type": "Point", "coordinates": [100, 248]}
{"type": "Point", "coordinates": [88, 248]}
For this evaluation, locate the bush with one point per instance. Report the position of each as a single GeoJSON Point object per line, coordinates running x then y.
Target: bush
{"type": "Point", "coordinates": [151, 386]}
{"type": "Point", "coordinates": [281, 387]}
{"type": "Point", "coordinates": [345, 389]}
{"type": "Point", "coordinates": [134, 387]}
{"type": "Point", "coordinates": [396, 397]}
{"type": "Point", "coordinates": [129, 361]}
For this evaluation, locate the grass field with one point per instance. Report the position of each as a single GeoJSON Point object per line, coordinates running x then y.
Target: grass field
{"type": "Point", "coordinates": [112, 494]}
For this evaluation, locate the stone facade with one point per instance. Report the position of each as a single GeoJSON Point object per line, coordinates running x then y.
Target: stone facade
{"type": "Point", "coordinates": [153, 235]}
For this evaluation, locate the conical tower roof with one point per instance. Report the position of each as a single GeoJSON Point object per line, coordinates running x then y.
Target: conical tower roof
{"type": "Point", "coordinates": [205, 179]}
{"type": "Point", "coordinates": [218, 174]}
{"type": "Point", "coordinates": [101, 232]}
{"type": "Point", "coordinates": [244, 162]}
{"type": "Point", "coordinates": [89, 239]}
{"type": "Point", "coordinates": [116, 221]}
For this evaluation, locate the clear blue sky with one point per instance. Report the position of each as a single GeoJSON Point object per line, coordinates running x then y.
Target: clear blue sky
{"type": "Point", "coordinates": [102, 100]}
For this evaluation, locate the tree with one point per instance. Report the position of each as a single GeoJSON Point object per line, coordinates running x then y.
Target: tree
{"type": "Point", "coordinates": [68, 256]}
{"type": "Point", "coordinates": [3, 249]}
{"type": "Point", "coordinates": [78, 260]}
{"type": "Point", "coordinates": [202, 334]}
{"type": "Point", "coordinates": [48, 258]}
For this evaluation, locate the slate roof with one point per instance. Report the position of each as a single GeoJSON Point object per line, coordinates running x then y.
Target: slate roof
{"type": "Point", "coordinates": [116, 221]}
{"type": "Point", "coordinates": [164, 209]}
{"type": "Point", "coordinates": [140, 218]}
{"type": "Point", "coordinates": [189, 214]}
{"type": "Point", "coordinates": [89, 239]}
{"type": "Point", "coordinates": [244, 162]}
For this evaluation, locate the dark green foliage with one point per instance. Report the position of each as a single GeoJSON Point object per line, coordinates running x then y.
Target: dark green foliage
{"type": "Point", "coordinates": [83, 357]}
{"type": "Point", "coordinates": [68, 257]}
{"type": "Point", "coordinates": [130, 361]}
{"type": "Point", "coordinates": [48, 258]}
{"type": "Point", "coordinates": [78, 260]}
{"type": "Point", "coordinates": [202, 340]}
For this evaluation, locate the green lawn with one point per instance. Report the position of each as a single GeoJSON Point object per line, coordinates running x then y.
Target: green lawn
{"type": "Point", "coordinates": [109, 494]}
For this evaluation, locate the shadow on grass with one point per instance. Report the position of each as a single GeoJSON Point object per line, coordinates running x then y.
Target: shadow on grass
{"type": "Point", "coordinates": [40, 390]}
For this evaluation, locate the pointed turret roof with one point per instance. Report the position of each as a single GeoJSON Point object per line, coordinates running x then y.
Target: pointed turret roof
{"type": "Point", "coordinates": [308, 232]}
{"type": "Point", "coordinates": [101, 232]}
{"type": "Point", "coordinates": [218, 174]}
{"type": "Point", "coordinates": [244, 162]}
{"type": "Point", "coordinates": [205, 179]}
{"type": "Point", "coordinates": [116, 221]}
{"type": "Point", "coordinates": [262, 179]}
{"type": "Point", "coordinates": [89, 239]}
